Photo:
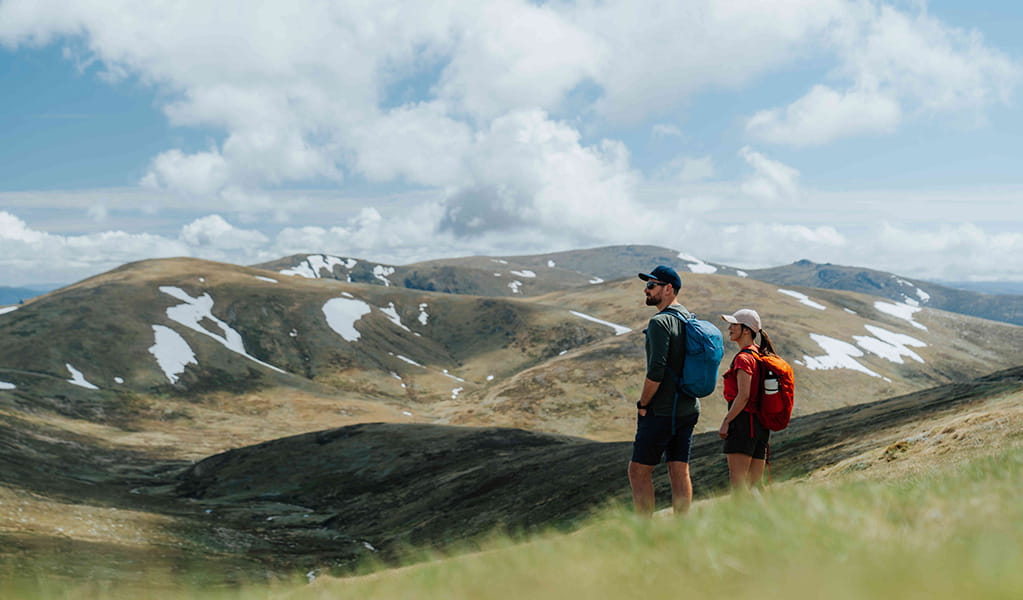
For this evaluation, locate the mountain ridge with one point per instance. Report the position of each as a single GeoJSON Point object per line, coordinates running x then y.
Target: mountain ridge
{"type": "Point", "coordinates": [531, 275]}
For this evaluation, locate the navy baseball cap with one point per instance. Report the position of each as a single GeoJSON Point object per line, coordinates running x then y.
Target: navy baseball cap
{"type": "Point", "coordinates": [665, 275]}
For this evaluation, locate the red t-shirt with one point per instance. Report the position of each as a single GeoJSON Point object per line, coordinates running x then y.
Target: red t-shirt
{"type": "Point", "coordinates": [743, 361]}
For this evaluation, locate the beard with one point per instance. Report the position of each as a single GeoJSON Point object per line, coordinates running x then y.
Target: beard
{"type": "Point", "coordinates": [651, 301]}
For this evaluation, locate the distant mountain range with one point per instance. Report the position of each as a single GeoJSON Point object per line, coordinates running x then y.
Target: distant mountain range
{"type": "Point", "coordinates": [542, 273]}
{"type": "Point", "coordinates": [986, 287]}
{"type": "Point", "coordinates": [1003, 307]}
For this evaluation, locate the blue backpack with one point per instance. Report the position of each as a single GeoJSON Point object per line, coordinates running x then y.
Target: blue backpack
{"type": "Point", "coordinates": [703, 351]}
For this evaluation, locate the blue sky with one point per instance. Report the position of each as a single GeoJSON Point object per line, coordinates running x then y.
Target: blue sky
{"type": "Point", "coordinates": [867, 133]}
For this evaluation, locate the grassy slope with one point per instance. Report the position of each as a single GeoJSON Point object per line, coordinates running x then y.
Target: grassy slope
{"type": "Point", "coordinates": [933, 515]}
{"type": "Point", "coordinates": [937, 535]}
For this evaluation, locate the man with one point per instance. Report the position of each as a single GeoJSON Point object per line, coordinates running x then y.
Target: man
{"type": "Point", "coordinates": [656, 433]}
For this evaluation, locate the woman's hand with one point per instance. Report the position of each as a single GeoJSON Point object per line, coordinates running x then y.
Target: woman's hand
{"type": "Point", "coordinates": [723, 432]}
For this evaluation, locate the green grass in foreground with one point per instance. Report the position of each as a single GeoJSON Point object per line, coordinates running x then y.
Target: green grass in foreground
{"type": "Point", "coordinates": [942, 534]}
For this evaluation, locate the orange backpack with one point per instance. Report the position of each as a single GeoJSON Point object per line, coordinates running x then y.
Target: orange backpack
{"type": "Point", "coordinates": [775, 391]}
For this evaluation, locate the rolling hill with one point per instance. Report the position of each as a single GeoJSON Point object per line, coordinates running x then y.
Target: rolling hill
{"type": "Point", "coordinates": [178, 343]}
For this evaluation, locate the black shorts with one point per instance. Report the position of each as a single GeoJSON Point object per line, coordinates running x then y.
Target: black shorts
{"type": "Point", "coordinates": [747, 436]}
{"type": "Point", "coordinates": [654, 439]}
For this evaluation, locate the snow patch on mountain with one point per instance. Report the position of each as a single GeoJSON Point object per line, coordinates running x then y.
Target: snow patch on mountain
{"type": "Point", "coordinates": [342, 314]}
{"type": "Point", "coordinates": [194, 311]}
{"type": "Point", "coordinates": [803, 299]}
{"type": "Point", "coordinates": [618, 329]}
{"type": "Point", "coordinates": [6, 309]}
{"type": "Point", "coordinates": [525, 274]}
{"type": "Point", "coordinates": [406, 359]}
{"type": "Point", "coordinates": [455, 377]}
{"type": "Point", "coordinates": [920, 295]}
{"type": "Point", "coordinates": [382, 273]}
{"type": "Point", "coordinates": [697, 265]}
{"type": "Point", "coordinates": [78, 379]}
{"type": "Point", "coordinates": [392, 315]}
{"type": "Point", "coordinates": [171, 351]}
{"type": "Point", "coordinates": [900, 311]}
{"type": "Point", "coordinates": [889, 345]}
{"type": "Point", "coordinates": [424, 317]}
{"type": "Point", "coordinates": [313, 265]}
{"type": "Point", "coordinates": [7, 386]}
{"type": "Point", "coordinates": [267, 279]}
{"type": "Point", "coordinates": [838, 355]}
{"type": "Point", "coordinates": [515, 286]}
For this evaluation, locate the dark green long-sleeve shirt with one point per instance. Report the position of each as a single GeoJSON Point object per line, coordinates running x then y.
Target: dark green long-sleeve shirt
{"type": "Point", "coordinates": [665, 352]}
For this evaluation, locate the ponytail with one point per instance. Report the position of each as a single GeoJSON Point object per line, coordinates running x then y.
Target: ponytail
{"type": "Point", "coordinates": [766, 347]}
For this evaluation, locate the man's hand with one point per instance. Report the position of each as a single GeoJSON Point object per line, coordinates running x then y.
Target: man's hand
{"type": "Point", "coordinates": [723, 432]}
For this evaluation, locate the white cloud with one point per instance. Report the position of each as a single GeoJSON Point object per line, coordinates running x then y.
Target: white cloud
{"type": "Point", "coordinates": [419, 143]}
{"type": "Point", "coordinates": [950, 252]}
{"type": "Point", "coordinates": [513, 54]}
{"type": "Point", "coordinates": [198, 174]}
{"type": "Point", "coordinates": [659, 57]}
{"type": "Point", "coordinates": [529, 171]}
{"type": "Point", "coordinates": [896, 64]}
{"type": "Point", "coordinates": [214, 232]}
{"type": "Point", "coordinates": [687, 169]}
{"type": "Point", "coordinates": [772, 180]}
{"type": "Point", "coordinates": [98, 213]}
{"type": "Point", "coordinates": [27, 254]}
{"type": "Point", "coordinates": [932, 65]}
{"type": "Point", "coordinates": [766, 244]}
{"type": "Point", "coordinates": [824, 115]}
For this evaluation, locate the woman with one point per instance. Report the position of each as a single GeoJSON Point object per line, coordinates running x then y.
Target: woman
{"type": "Point", "coordinates": [745, 437]}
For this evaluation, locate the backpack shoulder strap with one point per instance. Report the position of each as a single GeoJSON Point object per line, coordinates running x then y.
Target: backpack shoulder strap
{"type": "Point", "coordinates": [685, 316]}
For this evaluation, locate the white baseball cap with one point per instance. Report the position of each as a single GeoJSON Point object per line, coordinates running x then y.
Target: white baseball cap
{"type": "Point", "coordinates": [745, 316]}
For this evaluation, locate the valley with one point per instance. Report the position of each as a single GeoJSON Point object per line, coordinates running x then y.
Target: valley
{"type": "Point", "coordinates": [252, 420]}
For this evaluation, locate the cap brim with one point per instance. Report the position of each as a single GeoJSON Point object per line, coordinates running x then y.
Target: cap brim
{"type": "Point", "coordinates": [647, 277]}
{"type": "Point", "coordinates": [730, 319]}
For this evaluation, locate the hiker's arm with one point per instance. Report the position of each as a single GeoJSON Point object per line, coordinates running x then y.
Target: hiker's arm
{"type": "Point", "coordinates": [649, 389]}
{"type": "Point", "coordinates": [742, 379]}
{"type": "Point", "coordinates": [659, 339]}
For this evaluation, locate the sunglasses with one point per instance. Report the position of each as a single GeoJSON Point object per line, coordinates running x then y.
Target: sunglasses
{"type": "Point", "coordinates": [652, 284]}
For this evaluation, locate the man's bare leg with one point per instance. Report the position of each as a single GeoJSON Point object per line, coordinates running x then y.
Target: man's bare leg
{"type": "Point", "coordinates": [641, 478]}
{"type": "Point", "coordinates": [681, 486]}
